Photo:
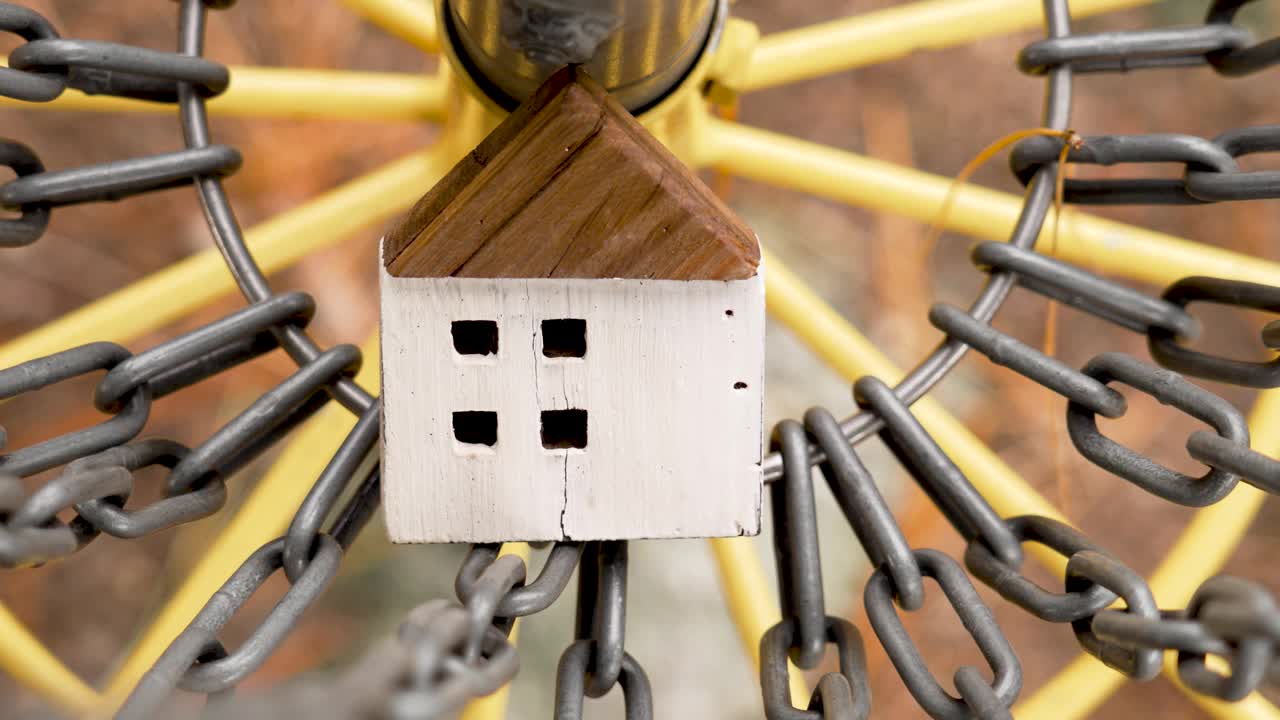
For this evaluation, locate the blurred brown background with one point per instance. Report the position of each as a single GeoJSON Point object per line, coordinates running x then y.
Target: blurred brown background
{"type": "Point", "coordinates": [933, 110]}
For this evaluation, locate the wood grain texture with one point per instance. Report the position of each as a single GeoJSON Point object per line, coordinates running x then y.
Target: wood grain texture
{"type": "Point", "coordinates": [571, 186]}
{"type": "Point", "coordinates": [671, 380]}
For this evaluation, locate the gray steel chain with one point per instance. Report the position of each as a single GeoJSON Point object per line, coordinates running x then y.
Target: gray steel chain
{"type": "Point", "coordinates": [1228, 617]}
{"type": "Point", "coordinates": [449, 652]}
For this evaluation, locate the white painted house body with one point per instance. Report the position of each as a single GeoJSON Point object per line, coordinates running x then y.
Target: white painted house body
{"type": "Point", "coordinates": [571, 408]}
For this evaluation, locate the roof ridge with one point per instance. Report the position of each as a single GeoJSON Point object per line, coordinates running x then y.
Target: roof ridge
{"type": "Point", "coordinates": [571, 185]}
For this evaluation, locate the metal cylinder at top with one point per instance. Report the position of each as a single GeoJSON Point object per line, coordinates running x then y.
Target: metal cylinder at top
{"type": "Point", "coordinates": [638, 49]}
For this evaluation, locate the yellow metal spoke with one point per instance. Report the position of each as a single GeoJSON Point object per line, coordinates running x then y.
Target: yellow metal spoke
{"type": "Point", "coordinates": [1083, 239]}
{"type": "Point", "coordinates": [882, 35]}
{"type": "Point", "coordinates": [174, 292]}
{"type": "Point", "coordinates": [749, 601]}
{"type": "Point", "coordinates": [289, 93]}
{"type": "Point", "coordinates": [413, 21]}
{"type": "Point", "coordinates": [25, 659]}
{"type": "Point", "coordinates": [264, 516]}
{"type": "Point", "coordinates": [1202, 549]}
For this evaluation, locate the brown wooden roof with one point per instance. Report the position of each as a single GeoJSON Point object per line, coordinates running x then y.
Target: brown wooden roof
{"type": "Point", "coordinates": [571, 186]}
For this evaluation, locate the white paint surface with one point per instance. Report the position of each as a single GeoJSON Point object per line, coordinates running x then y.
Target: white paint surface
{"type": "Point", "coordinates": [673, 448]}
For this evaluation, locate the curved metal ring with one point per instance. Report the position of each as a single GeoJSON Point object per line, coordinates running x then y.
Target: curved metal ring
{"type": "Point", "coordinates": [43, 372]}
{"type": "Point", "coordinates": [978, 696]}
{"type": "Point", "coordinates": [1170, 389]}
{"type": "Point", "coordinates": [109, 514]}
{"type": "Point", "coordinates": [1249, 656]}
{"type": "Point", "coordinates": [571, 677]}
{"type": "Point", "coordinates": [295, 308]}
{"type": "Point", "coordinates": [300, 539]}
{"type": "Point", "coordinates": [1008, 351]}
{"type": "Point", "coordinates": [1020, 590]}
{"type": "Point", "coordinates": [1084, 290]}
{"type": "Point", "coordinates": [1132, 50]}
{"type": "Point", "coordinates": [222, 674]}
{"type": "Point", "coordinates": [974, 615]}
{"type": "Point", "coordinates": [1166, 350]}
{"type": "Point", "coordinates": [105, 68]}
{"type": "Point", "coordinates": [119, 179]}
{"type": "Point", "coordinates": [1196, 153]}
{"type": "Point", "coordinates": [1255, 185]}
{"type": "Point", "coordinates": [945, 484]}
{"type": "Point", "coordinates": [493, 584]}
{"type": "Point", "coordinates": [1245, 60]}
{"type": "Point", "coordinates": [177, 666]}
{"type": "Point", "coordinates": [865, 509]}
{"type": "Point", "coordinates": [601, 613]}
{"type": "Point", "coordinates": [22, 84]}
{"type": "Point", "coordinates": [775, 680]}
{"type": "Point", "coordinates": [34, 218]}
{"type": "Point", "coordinates": [1086, 568]}
{"type": "Point", "coordinates": [795, 545]}
{"type": "Point", "coordinates": [1172, 630]}
{"type": "Point", "coordinates": [522, 600]}
{"type": "Point", "coordinates": [261, 423]}
{"type": "Point", "coordinates": [1260, 471]}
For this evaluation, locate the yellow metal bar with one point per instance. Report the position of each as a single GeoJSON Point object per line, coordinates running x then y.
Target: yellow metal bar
{"type": "Point", "coordinates": [264, 516]}
{"type": "Point", "coordinates": [289, 93]}
{"type": "Point", "coordinates": [25, 659]}
{"type": "Point", "coordinates": [172, 293]}
{"type": "Point", "coordinates": [749, 600]}
{"type": "Point", "coordinates": [413, 21]}
{"type": "Point", "coordinates": [494, 707]}
{"type": "Point", "coordinates": [1203, 548]}
{"type": "Point", "coordinates": [1083, 239]}
{"type": "Point", "coordinates": [882, 35]}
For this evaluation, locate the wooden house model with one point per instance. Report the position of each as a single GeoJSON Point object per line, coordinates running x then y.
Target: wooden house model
{"type": "Point", "coordinates": [572, 340]}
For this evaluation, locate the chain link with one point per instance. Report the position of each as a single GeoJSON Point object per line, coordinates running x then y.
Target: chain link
{"type": "Point", "coordinates": [449, 652]}
{"type": "Point", "coordinates": [842, 695]}
{"type": "Point", "coordinates": [1171, 389]}
{"type": "Point", "coordinates": [1211, 171]}
{"type": "Point", "coordinates": [1240, 61]}
{"type": "Point", "coordinates": [1020, 590]}
{"type": "Point", "coordinates": [1166, 350]}
{"type": "Point", "coordinates": [977, 620]}
{"type": "Point", "coordinates": [34, 218]}
{"type": "Point", "coordinates": [1233, 619]}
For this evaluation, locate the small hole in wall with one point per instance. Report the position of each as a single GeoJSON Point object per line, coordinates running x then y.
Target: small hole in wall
{"type": "Point", "coordinates": [476, 427]}
{"type": "Point", "coordinates": [728, 313]}
{"type": "Point", "coordinates": [475, 337]}
{"type": "Point", "coordinates": [564, 338]}
{"type": "Point", "coordinates": [563, 429]}
{"type": "Point", "coordinates": [739, 385]}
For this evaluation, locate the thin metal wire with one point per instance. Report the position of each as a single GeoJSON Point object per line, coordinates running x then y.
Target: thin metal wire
{"type": "Point", "coordinates": [221, 218]}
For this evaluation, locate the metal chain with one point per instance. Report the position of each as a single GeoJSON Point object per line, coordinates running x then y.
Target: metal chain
{"type": "Point", "coordinates": [448, 652]}
{"type": "Point", "coordinates": [1211, 171]}
{"type": "Point", "coordinates": [597, 659]}
{"type": "Point", "coordinates": [1094, 579]}
{"type": "Point", "coordinates": [1231, 618]}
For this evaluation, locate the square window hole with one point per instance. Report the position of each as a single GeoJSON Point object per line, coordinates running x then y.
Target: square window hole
{"type": "Point", "coordinates": [475, 337]}
{"type": "Point", "coordinates": [563, 429]}
{"type": "Point", "coordinates": [564, 338]}
{"type": "Point", "coordinates": [476, 427]}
